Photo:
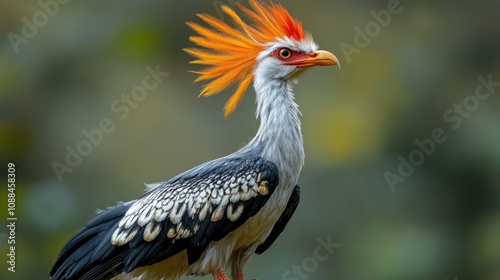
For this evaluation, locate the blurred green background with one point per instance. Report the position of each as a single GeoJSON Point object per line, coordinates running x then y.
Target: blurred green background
{"type": "Point", "coordinates": [442, 222]}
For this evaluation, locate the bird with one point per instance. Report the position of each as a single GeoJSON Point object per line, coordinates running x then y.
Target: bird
{"type": "Point", "coordinates": [216, 216]}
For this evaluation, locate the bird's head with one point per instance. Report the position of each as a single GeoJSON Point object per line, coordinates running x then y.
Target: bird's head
{"type": "Point", "coordinates": [275, 46]}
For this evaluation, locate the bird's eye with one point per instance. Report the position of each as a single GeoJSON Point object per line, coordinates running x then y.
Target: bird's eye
{"type": "Point", "coordinates": [284, 53]}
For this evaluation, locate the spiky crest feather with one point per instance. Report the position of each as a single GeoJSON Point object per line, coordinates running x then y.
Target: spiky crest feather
{"type": "Point", "coordinates": [230, 53]}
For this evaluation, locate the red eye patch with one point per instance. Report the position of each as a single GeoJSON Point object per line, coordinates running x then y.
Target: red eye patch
{"type": "Point", "coordinates": [288, 55]}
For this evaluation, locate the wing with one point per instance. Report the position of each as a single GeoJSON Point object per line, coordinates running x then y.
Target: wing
{"type": "Point", "coordinates": [185, 213]}
{"type": "Point", "coordinates": [76, 256]}
{"type": "Point", "coordinates": [280, 225]}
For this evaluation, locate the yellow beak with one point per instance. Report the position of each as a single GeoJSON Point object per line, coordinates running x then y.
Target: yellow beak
{"type": "Point", "coordinates": [317, 58]}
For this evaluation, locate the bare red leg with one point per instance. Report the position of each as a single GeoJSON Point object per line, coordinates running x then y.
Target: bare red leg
{"type": "Point", "coordinates": [220, 275]}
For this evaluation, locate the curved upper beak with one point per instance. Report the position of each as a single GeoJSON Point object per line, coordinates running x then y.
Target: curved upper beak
{"type": "Point", "coordinates": [316, 58]}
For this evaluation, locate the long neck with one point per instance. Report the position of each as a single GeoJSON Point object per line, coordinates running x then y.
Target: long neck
{"type": "Point", "coordinates": [279, 138]}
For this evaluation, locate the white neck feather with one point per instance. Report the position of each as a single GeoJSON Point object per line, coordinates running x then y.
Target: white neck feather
{"type": "Point", "coordinates": [279, 138]}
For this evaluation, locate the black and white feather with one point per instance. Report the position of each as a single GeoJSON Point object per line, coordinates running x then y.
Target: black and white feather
{"type": "Point", "coordinates": [187, 212]}
{"type": "Point", "coordinates": [280, 225]}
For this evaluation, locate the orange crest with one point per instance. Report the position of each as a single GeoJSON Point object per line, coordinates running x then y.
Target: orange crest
{"type": "Point", "coordinates": [230, 53]}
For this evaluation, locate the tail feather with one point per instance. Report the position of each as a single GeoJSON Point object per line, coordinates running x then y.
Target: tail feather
{"type": "Point", "coordinates": [89, 255]}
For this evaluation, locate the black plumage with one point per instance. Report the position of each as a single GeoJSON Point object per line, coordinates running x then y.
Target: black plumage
{"type": "Point", "coordinates": [168, 219]}
{"type": "Point", "coordinates": [280, 225]}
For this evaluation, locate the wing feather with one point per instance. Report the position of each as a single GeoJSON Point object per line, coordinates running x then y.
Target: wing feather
{"type": "Point", "coordinates": [280, 225]}
{"type": "Point", "coordinates": [185, 213]}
